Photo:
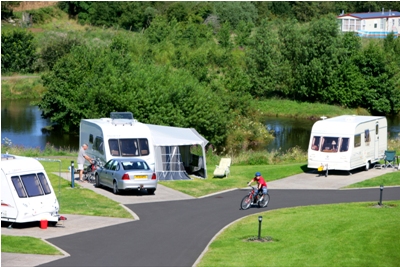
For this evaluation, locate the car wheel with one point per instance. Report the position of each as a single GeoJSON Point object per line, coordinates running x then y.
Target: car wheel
{"type": "Point", "coordinates": [97, 179]}
{"type": "Point", "coordinates": [151, 191]}
{"type": "Point", "coordinates": [115, 188]}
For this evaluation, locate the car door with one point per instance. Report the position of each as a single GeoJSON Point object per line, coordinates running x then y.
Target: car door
{"type": "Point", "coordinates": [113, 172]}
{"type": "Point", "coordinates": [104, 173]}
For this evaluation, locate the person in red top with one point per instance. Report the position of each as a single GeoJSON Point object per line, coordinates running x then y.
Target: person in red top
{"type": "Point", "coordinates": [261, 184]}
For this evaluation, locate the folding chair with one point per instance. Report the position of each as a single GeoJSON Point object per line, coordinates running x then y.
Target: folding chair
{"type": "Point", "coordinates": [222, 169]}
{"type": "Point", "coordinates": [390, 158]}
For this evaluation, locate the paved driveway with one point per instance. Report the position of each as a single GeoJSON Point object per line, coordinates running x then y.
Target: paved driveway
{"type": "Point", "coordinates": [175, 233]}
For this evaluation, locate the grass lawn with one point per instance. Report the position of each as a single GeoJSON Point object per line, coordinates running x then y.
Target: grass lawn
{"type": "Point", "coordinates": [79, 200]}
{"type": "Point", "coordinates": [239, 176]}
{"type": "Point", "coordinates": [355, 234]}
{"type": "Point", "coordinates": [26, 245]}
{"type": "Point", "coordinates": [389, 179]}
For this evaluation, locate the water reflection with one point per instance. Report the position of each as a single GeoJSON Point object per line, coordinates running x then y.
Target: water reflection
{"type": "Point", "coordinates": [22, 124]}
{"type": "Point", "coordinates": [288, 133]}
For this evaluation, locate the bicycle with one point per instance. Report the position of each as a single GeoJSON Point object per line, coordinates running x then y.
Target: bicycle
{"type": "Point", "coordinates": [252, 199]}
{"type": "Point", "coordinates": [89, 172]}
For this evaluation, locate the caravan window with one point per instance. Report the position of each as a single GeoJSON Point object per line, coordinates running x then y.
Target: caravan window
{"type": "Point", "coordinates": [144, 147]}
{"type": "Point", "coordinates": [357, 140]}
{"type": "Point", "coordinates": [329, 144]}
{"type": "Point", "coordinates": [91, 139]}
{"type": "Point", "coordinates": [315, 143]}
{"type": "Point", "coordinates": [344, 146]}
{"type": "Point", "coordinates": [18, 186]}
{"type": "Point", "coordinates": [129, 147]}
{"type": "Point", "coordinates": [114, 147]}
{"type": "Point", "coordinates": [98, 145]}
{"type": "Point", "coordinates": [44, 183]}
{"type": "Point", "coordinates": [367, 136]}
{"type": "Point", "coordinates": [32, 185]}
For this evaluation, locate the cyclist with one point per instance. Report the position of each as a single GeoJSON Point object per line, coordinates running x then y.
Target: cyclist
{"type": "Point", "coordinates": [261, 184]}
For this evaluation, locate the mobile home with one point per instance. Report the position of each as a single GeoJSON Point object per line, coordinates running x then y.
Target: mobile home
{"type": "Point", "coordinates": [347, 142]}
{"type": "Point", "coordinates": [26, 191]}
{"type": "Point", "coordinates": [166, 149]}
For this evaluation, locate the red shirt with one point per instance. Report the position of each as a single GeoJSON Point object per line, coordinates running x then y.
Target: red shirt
{"type": "Point", "coordinates": [260, 181]}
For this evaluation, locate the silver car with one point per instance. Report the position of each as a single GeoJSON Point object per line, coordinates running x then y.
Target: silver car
{"type": "Point", "coordinates": [127, 173]}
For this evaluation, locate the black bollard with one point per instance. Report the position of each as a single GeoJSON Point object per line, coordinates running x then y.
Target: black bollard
{"type": "Point", "coordinates": [259, 227]}
{"type": "Point", "coordinates": [72, 174]}
{"type": "Point", "coordinates": [380, 199]}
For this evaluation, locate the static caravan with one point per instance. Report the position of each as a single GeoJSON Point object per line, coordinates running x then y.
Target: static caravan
{"type": "Point", "coordinates": [347, 142]}
{"type": "Point", "coordinates": [166, 149]}
{"type": "Point", "coordinates": [26, 191]}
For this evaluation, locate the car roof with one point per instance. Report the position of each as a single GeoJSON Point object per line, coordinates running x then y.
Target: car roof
{"type": "Point", "coordinates": [129, 159]}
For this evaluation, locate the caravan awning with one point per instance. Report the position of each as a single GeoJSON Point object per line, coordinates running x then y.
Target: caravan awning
{"type": "Point", "coordinates": [175, 136]}
{"type": "Point", "coordinates": [169, 160]}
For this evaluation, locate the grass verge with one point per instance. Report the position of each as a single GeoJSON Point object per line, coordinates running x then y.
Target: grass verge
{"type": "Point", "coordinates": [26, 245]}
{"type": "Point", "coordinates": [389, 179]}
{"type": "Point", "coordinates": [327, 235]}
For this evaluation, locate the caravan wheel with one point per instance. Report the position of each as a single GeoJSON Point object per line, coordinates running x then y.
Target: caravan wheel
{"type": "Point", "coordinates": [367, 166]}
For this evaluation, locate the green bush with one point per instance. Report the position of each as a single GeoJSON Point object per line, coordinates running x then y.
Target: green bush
{"type": "Point", "coordinates": [17, 51]}
{"type": "Point", "coordinates": [45, 14]}
{"type": "Point", "coordinates": [55, 48]}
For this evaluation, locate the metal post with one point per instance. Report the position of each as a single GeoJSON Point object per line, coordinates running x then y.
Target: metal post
{"type": "Point", "coordinates": [380, 199]}
{"type": "Point", "coordinates": [72, 174]}
{"type": "Point", "coordinates": [259, 226]}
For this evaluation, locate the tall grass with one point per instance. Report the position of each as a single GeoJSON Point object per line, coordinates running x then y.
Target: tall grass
{"type": "Point", "coordinates": [49, 150]}
{"type": "Point", "coordinates": [290, 108]}
{"type": "Point", "coordinates": [28, 88]}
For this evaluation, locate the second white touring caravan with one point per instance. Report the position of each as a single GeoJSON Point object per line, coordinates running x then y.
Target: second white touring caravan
{"type": "Point", "coordinates": [347, 142]}
{"type": "Point", "coordinates": [167, 150]}
{"type": "Point", "coordinates": [26, 191]}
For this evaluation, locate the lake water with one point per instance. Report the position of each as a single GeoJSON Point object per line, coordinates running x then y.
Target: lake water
{"type": "Point", "coordinates": [22, 124]}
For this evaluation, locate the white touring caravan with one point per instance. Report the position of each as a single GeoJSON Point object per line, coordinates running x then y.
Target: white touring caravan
{"type": "Point", "coordinates": [347, 142]}
{"type": "Point", "coordinates": [26, 191]}
{"type": "Point", "coordinates": [167, 150]}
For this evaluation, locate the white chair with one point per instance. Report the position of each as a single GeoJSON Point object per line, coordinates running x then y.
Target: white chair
{"type": "Point", "coordinates": [223, 169]}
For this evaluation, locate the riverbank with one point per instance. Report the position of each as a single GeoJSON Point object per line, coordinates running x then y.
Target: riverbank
{"type": "Point", "coordinates": [30, 87]}
{"type": "Point", "coordinates": [21, 87]}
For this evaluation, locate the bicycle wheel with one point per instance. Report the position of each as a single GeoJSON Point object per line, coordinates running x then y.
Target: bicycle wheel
{"type": "Point", "coordinates": [246, 202]}
{"type": "Point", "coordinates": [265, 201]}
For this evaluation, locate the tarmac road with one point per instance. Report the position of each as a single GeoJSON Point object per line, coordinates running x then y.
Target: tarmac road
{"type": "Point", "coordinates": [175, 233]}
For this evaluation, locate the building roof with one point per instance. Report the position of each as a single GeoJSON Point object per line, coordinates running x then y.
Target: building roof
{"type": "Point", "coordinates": [372, 15]}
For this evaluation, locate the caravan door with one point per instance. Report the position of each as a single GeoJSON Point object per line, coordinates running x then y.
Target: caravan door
{"type": "Point", "coordinates": [377, 140]}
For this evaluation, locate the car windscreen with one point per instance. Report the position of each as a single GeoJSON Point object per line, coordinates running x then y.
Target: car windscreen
{"type": "Point", "coordinates": [135, 165]}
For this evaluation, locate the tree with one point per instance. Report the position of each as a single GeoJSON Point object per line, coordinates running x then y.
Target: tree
{"type": "Point", "coordinates": [263, 62]}
{"type": "Point", "coordinates": [234, 12]}
{"type": "Point", "coordinates": [18, 51]}
{"type": "Point", "coordinates": [224, 35]}
{"type": "Point", "coordinates": [90, 83]}
{"type": "Point", "coordinates": [379, 95]}
{"type": "Point", "coordinates": [7, 8]}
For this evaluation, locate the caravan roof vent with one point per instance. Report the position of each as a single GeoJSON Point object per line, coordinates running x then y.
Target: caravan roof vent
{"type": "Point", "coordinates": [6, 157]}
{"type": "Point", "coordinates": [121, 115]}
{"type": "Point", "coordinates": [122, 118]}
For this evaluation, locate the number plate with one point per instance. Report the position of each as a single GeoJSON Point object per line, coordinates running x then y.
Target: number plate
{"type": "Point", "coordinates": [140, 176]}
